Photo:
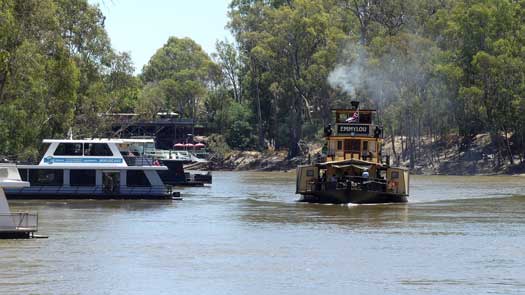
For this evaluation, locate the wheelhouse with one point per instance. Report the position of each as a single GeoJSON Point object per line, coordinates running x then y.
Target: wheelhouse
{"type": "Point", "coordinates": [355, 136]}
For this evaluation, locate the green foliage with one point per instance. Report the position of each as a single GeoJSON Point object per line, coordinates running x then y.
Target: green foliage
{"type": "Point", "coordinates": [182, 72]}
{"type": "Point", "coordinates": [57, 72]}
{"type": "Point", "coordinates": [430, 67]}
{"type": "Point", "coordinates": [218, 146]}
{"type": "Point", "coordinates": [240, 133]}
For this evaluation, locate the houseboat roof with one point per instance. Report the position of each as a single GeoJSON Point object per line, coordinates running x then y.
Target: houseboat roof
{"type": "Point", "coordinates": [353, 110]}
{"type": "Point", "coordinates": [94, 140]}
{"type": "Point", "coordinates": [137, 140]}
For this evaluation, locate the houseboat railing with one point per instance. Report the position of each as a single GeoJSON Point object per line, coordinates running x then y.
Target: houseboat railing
{"type": "Point", "coordinates": [139, 161]}
{"type": "Point", "coordinates": [86, 190]}
{"type": "Point", "coordinates": [27, 222]}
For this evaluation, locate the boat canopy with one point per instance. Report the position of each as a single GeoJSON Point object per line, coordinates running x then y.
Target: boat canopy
{"type": "Point", "coordinates": [357, 163]}
{"type": "Point", "coordinates": [359, 167]}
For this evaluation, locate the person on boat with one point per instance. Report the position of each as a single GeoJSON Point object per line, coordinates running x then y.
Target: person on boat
{"type": "Point", "coordinates": [365, 174]}
{"type": "Point", "coordinates": [328, 130]}
{"type": "Point", "coordinates": [366, 155]}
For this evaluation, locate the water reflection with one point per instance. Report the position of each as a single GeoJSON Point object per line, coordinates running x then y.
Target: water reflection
{"type": "Point", "coordinates": [254, 211]}
{"type": "Point", "coordinates": [127, 205]}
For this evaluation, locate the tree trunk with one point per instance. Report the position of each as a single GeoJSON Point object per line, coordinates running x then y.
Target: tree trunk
{"type": "Point", "coordinates": [259, 114]}
{"type": "Point", "coordinates": [393, 139]}
{"type": "Point", "coordinates": [507, 144]}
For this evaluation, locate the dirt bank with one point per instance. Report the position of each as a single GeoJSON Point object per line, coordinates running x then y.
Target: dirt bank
{"type": "Point", "coordinates": [482, 154]}
{"type": "Point", "coordinates": [454, 155]}
{"type": "Point", "coordinates": [254, 160]}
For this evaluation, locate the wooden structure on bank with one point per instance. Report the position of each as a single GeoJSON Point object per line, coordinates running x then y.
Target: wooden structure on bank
{"type": "Point", "coordinates": [167, 128]}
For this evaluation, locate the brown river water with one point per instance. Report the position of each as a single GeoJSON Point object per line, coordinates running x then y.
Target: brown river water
{"type": "Point", "coordinates": [246, 235]}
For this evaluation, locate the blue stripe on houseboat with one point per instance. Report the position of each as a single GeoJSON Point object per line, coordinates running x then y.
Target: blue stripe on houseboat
{"type": "Point", "coordinates": [52, 160]}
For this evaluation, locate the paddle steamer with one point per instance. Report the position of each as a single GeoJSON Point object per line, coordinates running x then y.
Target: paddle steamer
{"type": "Point", "coordinates": [355, 170]}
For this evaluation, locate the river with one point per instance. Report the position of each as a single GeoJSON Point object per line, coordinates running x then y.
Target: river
{"type": "Point", "coordinates": [246, 235]}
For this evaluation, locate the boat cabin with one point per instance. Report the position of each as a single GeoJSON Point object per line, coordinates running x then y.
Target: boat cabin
{"type": "Point", "coordinates": [354, 135]}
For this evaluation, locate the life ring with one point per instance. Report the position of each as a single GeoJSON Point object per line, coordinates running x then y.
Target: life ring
{"type": "Point", "coordinates": [392, 185]}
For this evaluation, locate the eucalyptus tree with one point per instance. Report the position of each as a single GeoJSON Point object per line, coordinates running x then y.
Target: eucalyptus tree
{"type": "Point", "coordinates": [183, 72]}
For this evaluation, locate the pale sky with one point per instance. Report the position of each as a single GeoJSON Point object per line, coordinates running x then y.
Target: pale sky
{"type": "Point", "coordinates": [140, 27]}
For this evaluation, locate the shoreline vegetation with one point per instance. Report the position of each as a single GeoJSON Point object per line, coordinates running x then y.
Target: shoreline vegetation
{"type": "Point", "coordinates": [447, 78]}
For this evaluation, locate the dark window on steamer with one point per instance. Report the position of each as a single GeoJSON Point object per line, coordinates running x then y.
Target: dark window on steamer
{"type": "Point", "coordinates": [46, 177]}
{"type": "Point", "coordinates": [365, 118]}
{"type": "Point", "coordinates": [137, 178]}
{"type": "Point", "coordinates": [339, 145]}
{"type": "Point", "coordinates": [69, 149]}
{"type": "Point", "coordinates": [97, 149]}
{"type": "Point", "coordinates": [82, 177]}
{"type": "Point", "coordinates": [352, 145]}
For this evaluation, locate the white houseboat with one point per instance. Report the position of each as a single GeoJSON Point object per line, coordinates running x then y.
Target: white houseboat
{"type": "Point", "coordinates": [14, 225]}
{"type": "Point", "coordinates": [91, 169]}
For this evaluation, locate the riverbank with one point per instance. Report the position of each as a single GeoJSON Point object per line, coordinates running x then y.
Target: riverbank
{"type": "Point", "coordinates": [455, 155]}
{"type": "Point", "coordinates": [482, 154]}
{"type": "Point", "coordinates": [254, 161]}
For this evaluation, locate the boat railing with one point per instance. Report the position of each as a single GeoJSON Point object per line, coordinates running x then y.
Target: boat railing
{"type": "Point", "coordinates": [349, 183]}
{"type": "Point", "coordinates": [96, 190]}
{"type": "Point", "coordinates": [139, 160]}
{"type": "Point", "coordinates": [27, 222]}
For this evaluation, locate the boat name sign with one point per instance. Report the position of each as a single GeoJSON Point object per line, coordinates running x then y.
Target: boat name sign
{"type": "Point", "coordinates": [353, 129]}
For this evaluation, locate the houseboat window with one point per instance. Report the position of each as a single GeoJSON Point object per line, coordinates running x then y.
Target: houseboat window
{"type": "Point", "coordinates": [69, 149]}
{"type": "Point", "coordinates": [339, 145]}
{"type": "Point", "coordinates": [352, 145]}
{"type": "Point", "coordinates": [97, 149]}
{"type": "Point", "coordinates": [310, 173]}
{"type": "Point", "coordinates": [46, 177]}
{"type": "Point", "coordinates": [395, 174]}
{"type": "Point", "coordinates": [82, 177]}
{"type": "Point", "coordinates": [137, 178]}
{"type": "Point", "coordinates": [23, 174]}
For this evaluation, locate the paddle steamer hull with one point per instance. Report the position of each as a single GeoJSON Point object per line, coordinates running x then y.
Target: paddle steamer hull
{"type": "Point", "coordinates": [356, 197]}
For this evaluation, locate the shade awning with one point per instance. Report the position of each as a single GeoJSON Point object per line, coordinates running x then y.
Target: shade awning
{"type": "Point", "coordinates": [359, 167]}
